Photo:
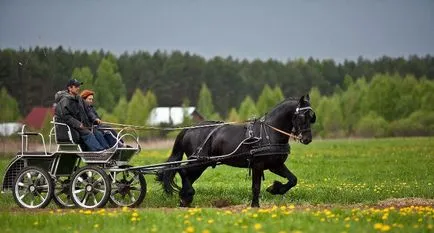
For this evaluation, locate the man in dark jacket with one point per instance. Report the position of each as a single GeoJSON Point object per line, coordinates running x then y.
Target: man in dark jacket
{"type": "Point", "coordinates": [70, 109]}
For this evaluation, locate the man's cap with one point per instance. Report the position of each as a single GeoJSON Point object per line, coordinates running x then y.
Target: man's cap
{"type": "Point", "coordinates": [74, 82]}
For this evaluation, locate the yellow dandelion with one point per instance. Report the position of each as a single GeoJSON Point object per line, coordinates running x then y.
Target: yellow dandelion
{"type": "Point", "coordinates": [186, 222]}
{"type": "Point", "coordinates": [87, 212]}
{"type": "Point", "coordinates": [135, 214]}
{"type": "Point", "coordinates": [199, 219]}
{"type": "Point", "coordinates": [96, 225]}
{"type": "Point", "coordinates": [255, 215]}
{"type": "Point", "coordinates": [133, 219]}
{"type": "Point", "coordinates": [210, 221]}
{"type": "Point", "coordinates": [274, 215]}
{"type": "Point", "coordinates": [385, 228]}
{"type": "Point", "coordinates": [36, 223]}
{"type": "Point", "coordinates": [125, 209]}
{"type": "Point", "coordinates": [51, 212]}
{"type": "Point", "coordinates": [378, 226]}
{"type": "Point", "coordinates": [189, 229]}
{"type": "Point", "coordinates": [206, 231]}
{"type": "Point", "coordinates": [257, 226]}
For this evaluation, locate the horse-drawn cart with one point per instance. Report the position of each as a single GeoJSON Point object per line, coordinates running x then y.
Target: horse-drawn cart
{"type": "Point", "coordinates": [73, 177]}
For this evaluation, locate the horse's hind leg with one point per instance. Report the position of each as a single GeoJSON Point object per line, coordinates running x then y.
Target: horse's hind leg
{"type": "Point", "coordinates": [279, 188]}
{"type": "Point", "coordinates": [189, 176]}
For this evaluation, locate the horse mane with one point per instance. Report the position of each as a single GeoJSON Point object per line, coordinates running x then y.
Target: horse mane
{"type": "Point", "coordinates": [282, 104]}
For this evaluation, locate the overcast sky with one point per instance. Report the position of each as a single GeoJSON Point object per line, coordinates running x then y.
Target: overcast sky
{"type": "Point", "coordinates": [278, 29]}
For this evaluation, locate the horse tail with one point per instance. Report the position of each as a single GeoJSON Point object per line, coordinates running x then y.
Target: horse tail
{"type": "Point", "coordinates": [166, 178]}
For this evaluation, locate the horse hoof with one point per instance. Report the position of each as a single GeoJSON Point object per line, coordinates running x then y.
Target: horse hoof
{"type": "Point", "coordinates": [255, 205]}
{"type": "Point", "coordinates": [184, 204]}
{"type": "Point", "coordinates": [277, 188]}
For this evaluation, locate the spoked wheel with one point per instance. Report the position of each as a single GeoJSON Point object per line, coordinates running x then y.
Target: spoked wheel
{"type": "Point", "coordinates": [90, 187]}
{"type": "Point", "coordinates": [33, 188]}
{"type": "Point", "coordinates": [62, 194]}
{"type": "Point", "coordinates": [128, 188]}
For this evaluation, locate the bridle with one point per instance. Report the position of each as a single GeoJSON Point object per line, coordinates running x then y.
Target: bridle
{"type": "Point", "coordinates": [298, 116]}
{"type": "Point", "coordinates": [296, 131]}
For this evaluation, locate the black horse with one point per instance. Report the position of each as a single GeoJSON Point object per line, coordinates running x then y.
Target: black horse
{"type": "Point", "coordinates": [259, 145]}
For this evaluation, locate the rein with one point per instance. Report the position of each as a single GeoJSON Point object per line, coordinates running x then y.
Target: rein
{"type": "Point", "coordinates": [167, 128]}
{"type": "Point", "coordinates": [290, 135]}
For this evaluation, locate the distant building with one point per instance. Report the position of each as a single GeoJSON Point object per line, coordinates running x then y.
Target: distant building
{"type": "Point", "coordinates": [9, 128]}
{"type": "Point", "coordinates": [173, 115]}
{"type": "Point", "coordinates": [35, 119]}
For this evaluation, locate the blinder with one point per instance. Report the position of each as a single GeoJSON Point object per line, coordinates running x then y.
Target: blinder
{"type": "Point", "coordinates": [302, 119]}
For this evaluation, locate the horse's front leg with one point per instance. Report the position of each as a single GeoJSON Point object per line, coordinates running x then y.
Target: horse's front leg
{"type": "Point", "coordinates": [189, 176]}
{"type": "Point", "coordinates": [279, 188]}
{"type": "Point", "coordinates": [256, 186]}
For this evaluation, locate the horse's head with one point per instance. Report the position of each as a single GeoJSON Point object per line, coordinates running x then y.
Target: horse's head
{"type": "Point", "coordinates": [303, 117]}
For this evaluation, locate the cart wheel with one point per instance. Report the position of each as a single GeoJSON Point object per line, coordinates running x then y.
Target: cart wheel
{"type": "Point", "coordinates": [33, 188]}
{"type": "Point", "coordinates": [62, 194]}
{"type": "Point", "coordinates": [90, 187]}
{"type": "Point", "coordinates": [128, 188]}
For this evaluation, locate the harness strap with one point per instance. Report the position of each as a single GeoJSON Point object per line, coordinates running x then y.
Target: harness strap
{"type": "Point", "coordinates": [199, 149]}
{"type": "Point", "coordinates": [283, 132]}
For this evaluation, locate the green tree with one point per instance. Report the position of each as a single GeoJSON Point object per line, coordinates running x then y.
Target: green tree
{"type": "Point", "coordinates": [331, 118]}
{"type": "Point", "coordinates": [233, 116]}
{"type": "Point", "coordinates": [315, 99]}
{"type": "Point", "coordinates": [382, 96]}
{"type": "Point", "coordinates": [9, 107]}
{"type": "Point", "coordinates": [425, 94]}
{"type": "Point", "coordinates": [265, 100]}
{"type": "Point", "coordinates": [150, 103]}
{"type": "Point", "coordinates": [268, 99]}
{"type": "Point", "coordinates": [120, 110]}
{"type": "Point", "coordinates": [106, 116]}
{"type": "Point", "coordinates": [136, 114]}
{"type": "Point", "coordinates": [205, 104]}
{"type": "Point", "coordinates": [108, 84]}
{"type": "Point", "coordinates": [186, 119]}
{"type": "Point", "coordinates": [84, 75]}
{"type": "Point", "coordinates": [247, 109]}
{"type": "Point", "coordinates": [352, 103]}
{"type": "Point", "coordinates": [371, 125]}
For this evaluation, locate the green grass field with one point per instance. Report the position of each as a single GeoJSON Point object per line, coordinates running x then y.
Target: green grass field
{"type": "Point", "coordinates": [375, 185]}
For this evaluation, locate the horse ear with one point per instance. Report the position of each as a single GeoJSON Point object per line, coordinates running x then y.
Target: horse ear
{"type": "Point", "coordinates": [301, 99]}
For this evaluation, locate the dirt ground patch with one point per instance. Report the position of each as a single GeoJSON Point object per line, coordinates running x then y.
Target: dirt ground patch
{"type": "Point", "coordinates": [224, 205]}
{"type": "Point", "coordinates": [392, 202]}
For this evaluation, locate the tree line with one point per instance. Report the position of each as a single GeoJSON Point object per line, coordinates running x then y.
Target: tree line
{"type": "Point", "coordinates": [129, 85]}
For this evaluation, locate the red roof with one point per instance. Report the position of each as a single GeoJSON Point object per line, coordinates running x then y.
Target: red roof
{"type": "Point", "coordinates": [36, 117]}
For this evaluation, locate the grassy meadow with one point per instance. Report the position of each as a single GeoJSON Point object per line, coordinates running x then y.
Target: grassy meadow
{"type": "Point", "coordinates": [363, 185]}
